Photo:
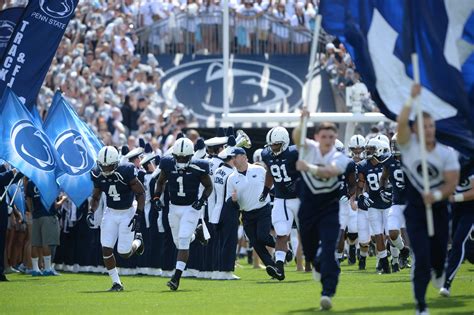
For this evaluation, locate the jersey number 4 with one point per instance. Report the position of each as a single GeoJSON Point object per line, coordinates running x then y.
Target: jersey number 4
{"type": "Point", "coordinates": [279, 173]}
{"type": "Point", "coordinates": [113, 193]}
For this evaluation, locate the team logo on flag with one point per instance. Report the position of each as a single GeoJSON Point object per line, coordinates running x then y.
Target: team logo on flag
{"type": "Point", "coordinates": [72, 149]}
{"type": "Point", "coordinates": [31, 145]}
{"type": "Point", "coordinates": [57, 9]}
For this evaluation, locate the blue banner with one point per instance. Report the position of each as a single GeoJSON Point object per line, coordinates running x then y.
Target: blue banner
{"type": "Point", "coordinates": [8, 21]}
{"type": "Point", "coordinates": [382, 35]}
{"type": "Point", "coordinates": [19, 201]}
{"type": "Point", "coordinates": [26, 147]}
{"type": "Point", "coordinates": [32, 47]}
{"type": "Point", "coordinates": [77, 147]}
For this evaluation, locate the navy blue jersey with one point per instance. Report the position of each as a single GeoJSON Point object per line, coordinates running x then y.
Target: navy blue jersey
{"type": "Point", "coordinates": [116, 186]}
{"type": "Point", "coordinates": [183, 184]}
{"type": "Point", "coordinates": [283, 170]}
{"type": "Point", "coordinates": [372, 174]}
{"type": "Point", "coordinates": [344, 178]}
{"type": "Point", "coordinates": [397, 180]}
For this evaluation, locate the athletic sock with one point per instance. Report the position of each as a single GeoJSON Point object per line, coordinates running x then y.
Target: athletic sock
{"type": "Point", "coordinates": [113, 273]}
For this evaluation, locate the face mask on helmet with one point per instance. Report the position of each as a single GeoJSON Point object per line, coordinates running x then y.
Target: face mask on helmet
{"type": "Point", "coordinates": [370, 151]}
{"type": "Point", "coordinates": [278, 140]}
{"type": "Point", "coordinates": [108, 169]}
{"type": "Point", "coordinates": [182, 161]}
{"type": "Point", "coordinates": [108, 160]}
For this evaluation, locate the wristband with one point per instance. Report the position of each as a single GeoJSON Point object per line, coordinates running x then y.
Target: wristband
{"type": "Point", "coordinates": [458, 197]}
{"type": "Point", "coordinates": [437, 195]}
{"type": "Point", "coordinates": [313, 169]}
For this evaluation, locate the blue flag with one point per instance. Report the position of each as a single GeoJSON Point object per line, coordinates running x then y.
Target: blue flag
{"type": "Point", "coordinates": [8, 21]}
{"type": "Point", "coordinates": [26, 147]}
{"type": "Point", "coordinates": [32, 47]}
{"type": "Point", "coordinates": [19, 201]}
{"type": "Point", "coordinates": [77, 147]}
{"type": "Point", "coordinates": [383, 34]}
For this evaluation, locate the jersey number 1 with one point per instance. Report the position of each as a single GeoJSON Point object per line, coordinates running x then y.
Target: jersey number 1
{"type": "Point", "coordinates": [181, 192]}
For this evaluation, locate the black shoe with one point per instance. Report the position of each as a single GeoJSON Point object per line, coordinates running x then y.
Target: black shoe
{"type": "Point", "coordinates": [371, 249]}
{"type": "Point", "coordinates": [116, 287]}
{"type": "Point", "coordinates": [384, 265]}
{"type": "Point", "coordinates": [199, 232]}
{"type": "Point", "coordinates": [141, 248]}
{"type": "Point", "coordinates": [3, 278]}
{"type": "Point", "coordinates": [173, 284]}
{"type": "Point", "coordinates": [404, 256]}
{"type": "Point", "coordinates": [362, 261]}
{"type": "Point", "coordinates": [395, 267]}
{"type": "Point", "coordinates": [275, 273]}
{"type": "Point", "coordinates": [289, 255]}
{"type": "Point", "coordinates": [352, 255]}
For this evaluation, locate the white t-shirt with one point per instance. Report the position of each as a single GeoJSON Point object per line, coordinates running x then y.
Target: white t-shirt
{"type": "Point", "coordinates": [313, 155]}
{"type": "Point", "coordinates": [248, 187]}
{"type": "Point", "coordinates": [442, 158]}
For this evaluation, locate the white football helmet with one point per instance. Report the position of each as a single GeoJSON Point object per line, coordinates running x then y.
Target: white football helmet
{"type": "Point", "coordinates": [374, 148]}
{"type": "Point", "coordinates": [278, 135]}
{"type": "Point", "coordinates": [257, 155]}
{"type": "Point", "coordinates": [394, 146]}
{"type": "Point", "coordinates": [357, 146]}
{"type": "Point", "coordinates": [339, 145]}
{"type": "Point", "coordinates": [108, 160]}
{"type": "Point", "coordinates": [385, 142]}
{"type": "Point", "coordinates": [183, 151]}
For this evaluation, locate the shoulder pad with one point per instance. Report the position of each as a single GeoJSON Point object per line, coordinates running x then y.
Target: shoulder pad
{"type": "Point", "coordinates": [167, 163]}
{"type": "Point", "coordinates": [266, 153]}
{"type": "Point", "coordinates": [128, 171]}
{"type": "Point", "coordinates": [200, 165]}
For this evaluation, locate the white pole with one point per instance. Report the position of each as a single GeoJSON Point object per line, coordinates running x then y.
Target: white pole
{"type": "Point", "coordinates": [12, 201]}
{"type": "Point", "coordinates": [8, 187]}
{"type": "Point", "coordinates": [225, 58]}
{"type": "Point", "coordinates": [309, 79]}
{"type": "Point", "coordinates": [313, 117]}
{"type": "Point", "coordinates": [421, 137]}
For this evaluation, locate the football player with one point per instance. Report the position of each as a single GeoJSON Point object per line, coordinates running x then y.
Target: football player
{"type": "Point", "coordinates": [280, 160]}
{"type": "Point", "coordinates": [183, 177]}
{"type": "Point", "coordinates": [370, 198]}
{"type": "Point", "coordinates": [120, 219]}
{"type": "Point", "coordinates": [395, 220]}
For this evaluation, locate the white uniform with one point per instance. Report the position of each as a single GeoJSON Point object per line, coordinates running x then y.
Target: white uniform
{"type": "Point", "coordinates": [214, 164]}
{"type": "Point", "coordinates": [220, 189]}
{"type": "Point", "coordinates": [245, 185]}
{"type": "Point", "coordinates": [115, 226]}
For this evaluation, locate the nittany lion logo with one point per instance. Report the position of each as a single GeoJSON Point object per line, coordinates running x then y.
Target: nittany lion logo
{"type": "Point", "coordinates": [57, 9]}
{"type": "Point", "coordinates": [6, 30]}
{"type": "Point", "coordinates": [256, 87]}
{"type": "Point", "coordinates": [31, 145]}
{"type": "Point", "coordinates": [433, 172]}
{"type": "Point", "coordinates": [73, 152]}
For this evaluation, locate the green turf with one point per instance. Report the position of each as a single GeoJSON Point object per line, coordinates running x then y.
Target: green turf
{"type": "Point", "coordinates": [357, 293]}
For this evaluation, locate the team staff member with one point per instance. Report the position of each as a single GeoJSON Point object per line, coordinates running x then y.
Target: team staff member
{"type": "Point", "coordinates": [429, 252]}
{"type": "Point", "coordinates": [245, 186]}
{"type": "Point", "coordinates": [320, 165]}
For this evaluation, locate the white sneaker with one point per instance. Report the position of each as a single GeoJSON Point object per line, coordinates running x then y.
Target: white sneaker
{"type": "Point", "coordinates": [437, 282]}
{"type": "Point", "coordinates": [444, 292]}
{"type": "Point", "coordinates": [425, 312]}
{"type": "Point", "coordinates": [325, 303]}
{"type": "Point", "coordinates": [228, 275]}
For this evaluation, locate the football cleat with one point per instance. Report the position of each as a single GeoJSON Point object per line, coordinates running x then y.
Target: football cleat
{"type": "Point", "coordinates": [352, 255]}
{"type": "Point", "coordinates": [289, 255]}
{"type": "Point", "coordinates": [116, 287]}
{"type": "Point", "coordinates": [362, 262]}
{"type": "Point", "coordinates": [395, 267]}
{"type": "Point", "coordinates": [444, 292]}
{"type": "Point", "coordinates": [404, 258]}
{"type": "Point", "coordinates": [199, 233]}
{"type": "Point", "coordinates": [173, 284]}
{"type": "Point", "coordinates": [385, 266]}
{"type": "Point", "coordinates": [325, 303]}
{"type": "Point", "coordinates": [437, 279]}
{"type": "Point", "coordinates": [141, 248]}
{"type": "Point", "coordinates": [275, 273]}
{"type": "Point", "coordinates": [3, 278]}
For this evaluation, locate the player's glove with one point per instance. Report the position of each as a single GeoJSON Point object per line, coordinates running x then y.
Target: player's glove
{"type": "Point", "coordinates": [364, 202]}
{"type": "Point", "coordinates": [386, 195]}
{"type": "Point", "coordinates": [264, 194]}
{"type": "Point", "coordinates": [90, 219]}
{"type": "Point", "coordinates": [135, 221]}
{"type": "Point", "coordinates": [344, 198]}
{"type": "Point", "coordinates": [199, 203]}
{"type": "Point", "coordinates": [158, 204]}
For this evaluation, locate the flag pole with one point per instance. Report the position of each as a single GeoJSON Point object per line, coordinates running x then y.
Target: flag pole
{"type": "Point", "coordinates": [8, 187]}
{"type": "Point", "coordinates": [309, 78]}
{"type": "Point", "coordinates": [12, 201]}
{"type": "Point", "coordinates": [421, 137]}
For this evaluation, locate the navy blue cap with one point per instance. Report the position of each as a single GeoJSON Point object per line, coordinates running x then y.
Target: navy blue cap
{"type": "Point", "coordinates": [238, 150]}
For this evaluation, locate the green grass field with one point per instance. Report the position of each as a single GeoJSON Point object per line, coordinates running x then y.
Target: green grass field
{"type": "Point", "coordinates": [357, 293]}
